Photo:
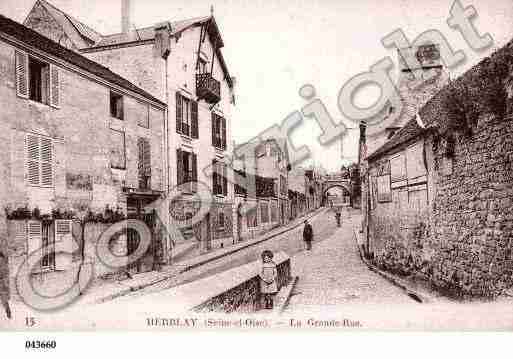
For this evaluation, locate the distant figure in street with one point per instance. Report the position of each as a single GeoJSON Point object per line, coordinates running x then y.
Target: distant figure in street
{"type": "Point", "coordinates": [308, 235]}
{"type": "Point", "coordinates": [268, 278]}
{"type": "Point", "coordinates": [338, 217]}
{"type": "Point", "coordinates": [4, 283]}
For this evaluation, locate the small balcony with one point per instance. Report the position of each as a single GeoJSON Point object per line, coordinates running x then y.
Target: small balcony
{"type": "Point", "coordinates": [208, 88]}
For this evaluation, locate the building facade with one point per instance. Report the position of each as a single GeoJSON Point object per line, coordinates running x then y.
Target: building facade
{"type": "Point", "coordinates": [181, 64]}
{"type": "Point", "coordinates": [262, 189]}
{"type": "Point", "coordinates": [297, 192]}
{"type": "Point", "coordinates": [81, 147]}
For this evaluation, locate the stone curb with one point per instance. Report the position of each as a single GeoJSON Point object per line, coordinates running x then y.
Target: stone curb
{"type": "Point", "coordinates": [391, 278]}
{"type": "Point", "coordinates": [288, 294]}
{"type": "Point", "coordinates": [195, 265]}
{"type": "Point", "coordinates": [235, 250]}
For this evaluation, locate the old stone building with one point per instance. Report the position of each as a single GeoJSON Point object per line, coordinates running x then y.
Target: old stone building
{"type": "Point", "coordinates": [314, 192]}
{"type": "Point", "coordinates": [439, 193]}
{"type": "Point", "coordinates": [79, 144]}
{"type": "Point", "coordinates": [262, 199]}
{"type": "Point", "coordinates": [297, 192]}
{"type": "Point", "coordinates": [180, 63]}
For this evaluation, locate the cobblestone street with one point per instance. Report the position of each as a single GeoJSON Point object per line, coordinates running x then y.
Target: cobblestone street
{"type": "Point", "coordinates": [289, 242]}
{"type": "Point", "coordinates": [333, 274]}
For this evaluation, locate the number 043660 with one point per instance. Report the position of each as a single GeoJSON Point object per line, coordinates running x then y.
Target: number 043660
{"type": "Point", "coordinates": [40, 344]}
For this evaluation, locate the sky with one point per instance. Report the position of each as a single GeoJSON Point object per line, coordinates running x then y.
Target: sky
{"type": "Point", "coordinates": [274, 47]}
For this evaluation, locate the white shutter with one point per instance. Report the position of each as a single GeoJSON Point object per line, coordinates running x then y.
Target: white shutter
{"type": "Point", "coordinates": [33, 160]}
{"type": "Point", "coordinates": [22, 74]}
{"type": "Point", "coordinates": [63, 244]}
{"type": "Point", "coordinates": [46, 162]}
{"type": "Point", "coordinates": [34, 241]}
{"type": "Point", "coordinates": [54, 86]}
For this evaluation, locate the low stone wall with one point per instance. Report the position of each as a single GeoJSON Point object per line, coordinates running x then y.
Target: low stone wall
{"type": "Point", "coordinates": [234, 290]}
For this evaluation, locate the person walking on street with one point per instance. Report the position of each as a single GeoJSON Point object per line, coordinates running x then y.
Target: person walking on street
{"type": "Point", "coordinates": [4, 283]}
{"type": "Point", "coordinates": [338, 217]}
{"type": "Point", "coordinates": [308, 235]}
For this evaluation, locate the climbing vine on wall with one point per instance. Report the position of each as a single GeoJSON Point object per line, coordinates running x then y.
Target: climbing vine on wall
{"type": "Point", "coordinates": [108, 215]}
{"type": "Point", "coordinates": [482, 89]}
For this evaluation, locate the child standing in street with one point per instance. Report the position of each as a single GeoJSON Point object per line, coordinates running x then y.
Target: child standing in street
{"type": "Point", "coordinates": [268, 278]}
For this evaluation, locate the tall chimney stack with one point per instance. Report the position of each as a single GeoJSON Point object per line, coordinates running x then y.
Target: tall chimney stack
{"type": "Point", "coordinates": [126, 16]}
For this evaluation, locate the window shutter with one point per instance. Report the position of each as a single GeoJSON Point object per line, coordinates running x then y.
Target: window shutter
{"type": "Point", "coordinates": [213, 129]}
{"type": "Point", "coordinates": [179, 167]}
{"type": "Point", "coordinates": [146, 157]}
{"type": "Point", "coordinates": [223, 121]}
{"type": "Point", "coordinates": [140, 157]}
{"type": "Point", "coordinates": [22, 75]}
{"type": "Point", "coordinates": [178, 113]}
{"type": "Point", "coordinates": [34, 240]}
{"type": "Point", "coordinates": [225, 181]}
{"type": "Point", "coordinates": [46, 162]}
{"type": "Point", "coordinates": [214, 176]}
{"type": "Point", "coordinates": [54, 86]}
{"type": "Point", "coordinates": [33, 160]}
{"type": "Point", "coordinates": [194, 171]}
{"type": "Point", "coordinates": [63, 244]}
{"type": "Point", "coordinates": [194, 120]}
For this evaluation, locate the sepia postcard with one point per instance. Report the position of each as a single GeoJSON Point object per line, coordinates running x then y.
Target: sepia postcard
{"type": "Point", "coordinates": [259, 165]}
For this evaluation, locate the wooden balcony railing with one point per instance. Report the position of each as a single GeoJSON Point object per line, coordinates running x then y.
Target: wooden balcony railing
{"type": "Point", "coordinates": [208, 88]}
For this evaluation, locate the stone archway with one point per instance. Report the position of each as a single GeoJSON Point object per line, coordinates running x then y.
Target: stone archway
{"type": "Point", "coordinates": [346, 190]}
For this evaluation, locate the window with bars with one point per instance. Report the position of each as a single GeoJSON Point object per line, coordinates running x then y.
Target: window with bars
{"type": "Point", "coordinates": [54, 242]}
{"type": "Point", "coordinates": [187, 170]}
{"type": "Point", "coordinates": [221, 221]}
{"type": "Point", "coordinates": [218, 131]}
{"type": "Point", "coordinates": [39, 163]}
{"type": "Point", "coordinates": [37, 80]}
{"type": "Point", "coordinates": [186, 116]}
{"type": "Point", "coordinates": [219, 178]}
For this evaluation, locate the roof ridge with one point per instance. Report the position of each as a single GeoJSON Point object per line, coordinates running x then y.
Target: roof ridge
{"type": "Point", "coordinates": [33, 38]}
{"type": "Point", "coordinates": [72, 17]}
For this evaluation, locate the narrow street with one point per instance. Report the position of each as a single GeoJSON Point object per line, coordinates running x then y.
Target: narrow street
{"type": "Point", "coordinates": [290, 242]}
{"type": "Point", "coordinates": [334, 286]}
{"type": "Point", "coordinates": [333, 274]}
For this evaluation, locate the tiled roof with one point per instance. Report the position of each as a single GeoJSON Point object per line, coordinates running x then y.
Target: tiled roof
{"type": "Point", "coordinates": [177, 27]}
{"type": "Point", "coordinates": [86, 38]}
{"type": "Point", "coordinates": [40, 42]}
{"type": "Point", "coordinates": [72, 27]}
{"type": "Point", "coordinates": [148, 33]}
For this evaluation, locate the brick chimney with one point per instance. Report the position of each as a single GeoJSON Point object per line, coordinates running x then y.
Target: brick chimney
{"type": "Point", "coordinates": [126, 16]}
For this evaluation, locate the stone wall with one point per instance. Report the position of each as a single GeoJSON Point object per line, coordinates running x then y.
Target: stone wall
{"type": "Point", "coordinates": [459, 240]}
{"type": "Point", "coordinates": [472, 222]}
{"type": "Point", "coordinates": [245, 296]}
